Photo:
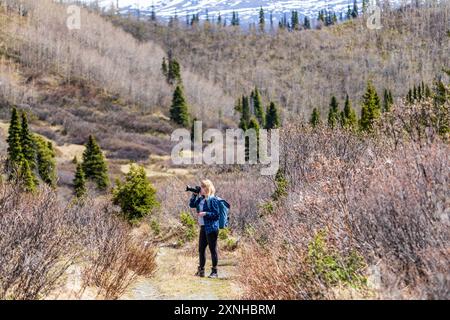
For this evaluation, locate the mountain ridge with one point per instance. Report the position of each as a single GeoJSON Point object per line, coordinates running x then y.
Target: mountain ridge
{"type": "Point", "coordinates": [248, 10]}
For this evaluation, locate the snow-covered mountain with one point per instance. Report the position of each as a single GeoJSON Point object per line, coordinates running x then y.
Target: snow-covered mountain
{"type": "Point", "coordinates": [248, 10]}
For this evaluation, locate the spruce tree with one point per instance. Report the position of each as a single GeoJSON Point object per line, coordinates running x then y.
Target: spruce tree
{"type": "Point", "coordinates": [294, 20]}
{"type": "Point", "coordinates": [315, 118]}
{"type": "Point", "coordinates": [261, 20]}
{"type": "Point", "coordinates": [409, 97]}
{"type": "Point", "coordinates": [282, 184]}
{"type": "Point", "coordinates": [26, 177]}
{"type": "Point", "coordinates": [371, 108]}
{"type": "Point", "coordinates": [387, 100]}
{"type": "Point", "coordinates": [441, 93]}
{"type": "Point", "coordinates": [153, 14]}
{"type": "Point", "coordinates": [348, 116]}
{"type": "Point", "coordinates": [307, 23]}
{"type": "Point", "coordinates": [355, 9]}
{"type": "Point", "coordinates": [258, 108]}
{"type": "Point", "coordinates": [79, 182]}
{"type": "Point", "coordinates": [15, 155]}
{"type": "Point", "coordinates": [27, 143]}
{"type": "Point", "coordinates": [333, 113]}
{"type": "Point", "coordinates": [349, 13]}
{"type": "Point", "coordinates": [179, 110]}
{"type": "Point", "coordinates": [253, 124]}
{"type": "Point", "coordinates": [272, 117]}
{"type": "Point", "coordinates": [136, 195]}
{"type": "Point", "coordinates": [245, 115]}
{"type": "Point", "coordinates": [46, 162]}
{"type": "Point", "coordinates": [173, 73]}
{"type": "Point", "coordinates": [94, 165]}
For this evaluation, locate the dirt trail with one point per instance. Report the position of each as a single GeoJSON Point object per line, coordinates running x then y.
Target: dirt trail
{"type": "Point", "coordinates": [174, 279]}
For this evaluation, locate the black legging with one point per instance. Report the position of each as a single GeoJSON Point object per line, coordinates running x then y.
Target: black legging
{"type": "Point", "coordinates": [204, 241]}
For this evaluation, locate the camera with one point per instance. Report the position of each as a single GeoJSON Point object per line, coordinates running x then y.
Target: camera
{"type": "Point", "coordinates": [195, 189]}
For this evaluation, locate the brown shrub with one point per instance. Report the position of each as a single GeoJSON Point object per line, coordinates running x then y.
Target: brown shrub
{"type": "Point", "coordinates": [41, 239]}
{"type": "Point", "coordinates": [381, 197]}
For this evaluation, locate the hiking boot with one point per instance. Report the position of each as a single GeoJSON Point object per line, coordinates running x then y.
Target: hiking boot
{"type": "Point", "coordinates": [200, 272]}
{"type": "Point", "coordinates": [213, 273]}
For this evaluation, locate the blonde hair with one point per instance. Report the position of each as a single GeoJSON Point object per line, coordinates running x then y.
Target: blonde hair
{"type": "Point", "coordinates": [209, 187]}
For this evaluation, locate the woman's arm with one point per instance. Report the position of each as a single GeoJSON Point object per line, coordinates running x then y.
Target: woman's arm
{"type": "Point", "coordinates": [193, 202]}
{"type": "Point", "coordinates": [213, 214]}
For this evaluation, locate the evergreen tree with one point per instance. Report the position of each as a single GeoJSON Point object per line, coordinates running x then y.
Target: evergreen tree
{"type": "Point", "coordinates": [136, 196]}
{"type": "Point", "coordinates": [245, 115]}
{"type": "Point", "coordinates": [307, 23]}
{"type": "Point", "coordinates": [409, 97]}
{"type": "Point", "coordinates": [272, 118]}
{"type": "Point", "coordinates": [355, 9]}
{"type": "Point", "coordinates": [349, 13]}
{"type": "Point", "coordinates": [371, 108]}
{"type": "Point", "coordinates": [46, 162]}
{"type": "Point", "coordinates": [27, 143]}
{"type": "Point", "coordinates": [253, 124]}
{"type": "Point", "coordinates": [179, 111]}
{"type": "Point", "coordinates": [294, 20]}
{"type": "Point", "coordinates": [441, 93]}
{"type": "Point", "coordinates": [235, 18]}
{"type": "Point", "coordinates": [15, 155]}
{"type": "Point", "coordinates": [153, 14]}
{"type": "Point", "coordinates": [79, 182]}
{"type": "Point", "coordinates": [333, 113]}
{"type": "Point", "coordinates": [94, 165]}
{"type": "Point", "coordinates": [257, 107]}
{"type": "Point", "coordinates": [348, 116]}
{"type": "Point", "coordinates": [173, 73]}
{"type": "Point", "coordinates": [390, 98]}
{"type": "Point", "coordinates": [419, 93]}
{"type": "Point", "coordinates": [315, 118]}
{"type": "Point", "coordinates": [219, 19]}
{"type": "Point", "coordinates": [282, 184]}
{"type": "Point", "coordinates": [261, 19]}
{"type": "Point", "coordinates": [26, 177]}
{"type": "Point", "coordinates": [427, 92]}
{"type": "Point", "coordinates": [387, 100]}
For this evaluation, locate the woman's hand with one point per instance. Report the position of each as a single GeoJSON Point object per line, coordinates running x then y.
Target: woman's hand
{"type": "Point", "coordinates": [201, 214]}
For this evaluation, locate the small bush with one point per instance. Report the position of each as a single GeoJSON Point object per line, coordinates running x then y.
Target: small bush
{"type": "Point", "coordinates": [224, 234]}
{"type": "Point", "coordinates": [231, 244]}
{"type": "Point", "coordinates": [136, 196]}
{"type": "Point", "coordinates": [334, 268]}
{"type": "Point", "coordinates": [155, 226]}
{"type": "Point", "coordinates": [189, 226]}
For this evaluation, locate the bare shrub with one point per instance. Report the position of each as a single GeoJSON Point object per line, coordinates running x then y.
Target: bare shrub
{"type": "Point", "coordinates": [112, 257]}
{"type": "Point", "coordinates": [383, 197]}
{"type": "Point", "coordinates": [41, 238]}
{"type": "Point", "coordinates": [35, 243]}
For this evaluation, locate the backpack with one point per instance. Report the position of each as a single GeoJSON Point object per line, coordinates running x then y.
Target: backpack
{"type": "Point", "coordinates": [224, 208]}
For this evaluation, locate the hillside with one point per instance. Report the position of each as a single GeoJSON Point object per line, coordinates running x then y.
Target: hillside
{"type": "Point", "coordinates": [301, 70]}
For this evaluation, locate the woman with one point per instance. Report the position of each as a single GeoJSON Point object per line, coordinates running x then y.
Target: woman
{"type": "Point", "coordinates": [207, 207]}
